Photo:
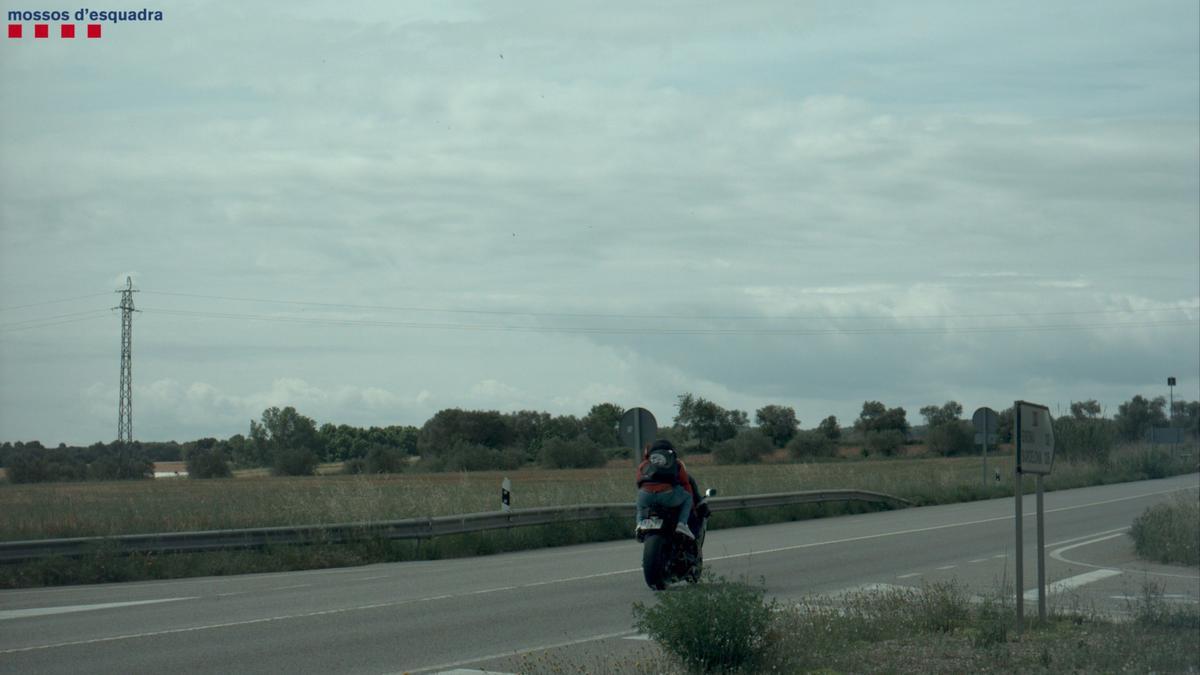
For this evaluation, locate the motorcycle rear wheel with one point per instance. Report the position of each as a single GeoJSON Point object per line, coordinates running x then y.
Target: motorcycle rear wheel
{"type": "Point", "coordinates": [654, 561]}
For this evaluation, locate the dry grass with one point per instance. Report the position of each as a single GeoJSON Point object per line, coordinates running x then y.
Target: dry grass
{"type": "Point", "coordinates": [90, 509]}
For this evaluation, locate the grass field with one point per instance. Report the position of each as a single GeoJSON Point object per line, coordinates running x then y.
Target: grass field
{"type": "Point", "coordinates": [178, 505]}
{"type": "Point", "coordinates": [173, 505]}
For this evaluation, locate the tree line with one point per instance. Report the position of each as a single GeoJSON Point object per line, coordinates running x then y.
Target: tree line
{"type": "Point", "coordinates": [290, 443]}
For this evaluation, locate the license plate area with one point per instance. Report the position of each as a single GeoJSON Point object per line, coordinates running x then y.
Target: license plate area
{"type": "Point", "coordinates": [650, 524]}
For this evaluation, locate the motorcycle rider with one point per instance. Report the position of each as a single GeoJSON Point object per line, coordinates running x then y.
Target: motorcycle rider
{"type": "Point", "coordinates": [663, 480]}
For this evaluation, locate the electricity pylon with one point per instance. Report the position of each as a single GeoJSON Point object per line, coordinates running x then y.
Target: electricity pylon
{"type": "Point", "coordinates": [125, 406]}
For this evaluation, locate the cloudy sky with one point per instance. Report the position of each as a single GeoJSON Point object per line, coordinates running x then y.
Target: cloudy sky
{"type": "Point", "coordinates": [372, 211]}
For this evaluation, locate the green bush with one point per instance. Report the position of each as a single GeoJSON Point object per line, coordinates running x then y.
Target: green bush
{"type": "Point", "coordinates": [679, 438]}
{"type": "Point", "coordinates": [748, 447]}
{"type": "Point", "coordinates": [807, 444]}
{"type": "Point", "coordinates": [576, 453]}
{"type": "Point", "coordinates": [1169, 532]}
{"type": "Point", "coordinates": [952, 438]}
{"type": "Point", "coordinates": [44, 465]}
{"type": "Point", "coordinates": [1089, 439]}
{"type": "Point", "coordinates": [883, 442]}
{"type": "Point", "coordinates": [121, 463]}
{"type": "Point", "coordinates": [385, 459]}
{"type": "Point", "coordinates": [714, 626]}
{"type": "Point", "coordinates": [294, 462]}
{"type": "Point", "coordinates": [1143, 462]}
{"type": "Point", "coordinates": [207, 462]}
{"type": "Point", "coordinates": [463, 456]}
{"type": "Point", "coordinates": [617, 452]}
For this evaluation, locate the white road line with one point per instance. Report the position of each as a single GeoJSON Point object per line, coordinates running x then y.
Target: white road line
{"type": "Point", "coordinates": [381, 576]}
{"type": "Point", "coordinates": [1169, 597]}
{"type": "Point", "coordinates": [566, 580]}
{"type": "Point", "coordinates": [909, 575]}
{"type": "Point", "coordinates": [933, 528]}
{"type": "Point", "coordinates": [1057, 554]}
{"type": "Point", "coordinates": [1073, 582]}
{"type": "Point", "coordinates": [947, 567]}
{"type": "Point", "coordinates": [1087, 536]}
{"type": "Point", "coordinates": [639, 636]}
{"type": "Point", "coordinates": [467, 671]}
{"type": "Point", "coordinates": [67, 609]}
{"type": "Point", "coordinates": [865, 588]}
{"type": "Point", "coordinates": [516, 652]}
{"type": "Point", "coordinates": [977, 561]}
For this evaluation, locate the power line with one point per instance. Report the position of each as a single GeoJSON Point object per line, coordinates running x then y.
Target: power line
{"type": "Point", "coordinates": [5, 329]}
{"type": "Point", "coordinates": [606, 330]}
{"type": "Point", "coordinates": [52, 318]}
{"type": "Point", "coordinates": [694, 317]}
{"type": "Point", "coordinates": [52, 302]}
{"type": "Point", "coordinates": [60, 319]}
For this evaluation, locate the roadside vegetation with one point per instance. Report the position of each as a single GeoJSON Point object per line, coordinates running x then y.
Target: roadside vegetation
{"type": "Point", "coordinates": [1169, 532]}
{"type": "Point", "coordinates": [730, 626]}
{"type": "Point", "coordinates": [102, 509]}
{"type": "Point", "coordinates": [455, 463]}
{"type": "Point", "coordinates": [285, 442]}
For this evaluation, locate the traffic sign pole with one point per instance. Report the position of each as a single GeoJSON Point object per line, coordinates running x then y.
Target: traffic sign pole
{"type": "Point", "coordinates": [1041, 557]}
{"type": "Point", "coordinates": [985, 421]}
{"type": "Point", "coordinates": [985, 440]}
{"type": "Point", "coordinates": [1020, 575]}
{"type": "Point", "coordinates": [1033, 433]}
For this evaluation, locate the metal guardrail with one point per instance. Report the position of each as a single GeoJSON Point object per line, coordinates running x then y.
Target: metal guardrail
{"type": "Point", "coordinates": [411, 528]}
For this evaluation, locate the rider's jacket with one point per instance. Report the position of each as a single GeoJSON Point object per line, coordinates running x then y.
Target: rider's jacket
{"type": "Point", "coordinates": [651, 486]}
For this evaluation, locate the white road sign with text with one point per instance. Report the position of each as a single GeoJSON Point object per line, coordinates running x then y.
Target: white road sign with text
{"type": "Point", "coordinates": [1034, 437]}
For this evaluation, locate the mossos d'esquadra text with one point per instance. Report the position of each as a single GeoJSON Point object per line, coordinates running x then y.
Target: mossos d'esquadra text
{"type": "Point", "coordinates": [86, 14]}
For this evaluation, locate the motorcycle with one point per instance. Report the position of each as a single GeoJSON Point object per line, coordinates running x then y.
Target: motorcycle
{"type": "Point", "coordinates": [667, 555]}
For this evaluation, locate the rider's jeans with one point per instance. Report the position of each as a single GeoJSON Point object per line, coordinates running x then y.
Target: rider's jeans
{"type": "Point", "coordinates": [678, 498]}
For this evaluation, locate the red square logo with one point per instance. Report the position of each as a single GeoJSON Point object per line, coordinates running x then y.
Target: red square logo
{"type": "Point", "coordinates": [41, 30]}
{"type": "Point", "coordinates": [14, 30]}
{"type": "Point", "coordinates": [67, 30]}
{"type": "Point", "coordinates": [93, 30]}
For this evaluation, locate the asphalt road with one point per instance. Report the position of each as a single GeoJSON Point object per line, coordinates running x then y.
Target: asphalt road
{"type": "Point", "coordinates": [477, 613]}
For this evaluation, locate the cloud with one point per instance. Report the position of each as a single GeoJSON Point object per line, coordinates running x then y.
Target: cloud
{"type": "Point", "coordinates": [165, 408]}
{"type": "Point", "coordinates": [729, 204]}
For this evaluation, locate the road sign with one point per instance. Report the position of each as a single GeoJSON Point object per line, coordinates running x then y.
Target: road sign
{"type": "Point", "coordinates": [986, 422]}
{"type": "Point", "coordinates": [1165, 436]}
{"type": "Point", "coordinates": [506, 495]}
{"type": "Point", "coordinates": [1034, 434]}
{"type": "Point", "coordinates": [638, 427]}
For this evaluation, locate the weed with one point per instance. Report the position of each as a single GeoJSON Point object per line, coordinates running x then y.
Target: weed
{"type": "Point", "coordinates": [1153, 610]}
{"type": "Point", "coordinates": [1169, 532]}
{"type": "Point", "coordinates": [715, 626]}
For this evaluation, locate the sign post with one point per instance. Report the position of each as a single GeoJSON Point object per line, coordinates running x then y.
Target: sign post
{"type": "Point", "coordinates": [506, 495]}
{"type": "Point", "coordinates": [986, 422]}
{"type": "Point", "coordinates": [1034, 435]}
{"type": "Point", "coordinates": [638, 427]}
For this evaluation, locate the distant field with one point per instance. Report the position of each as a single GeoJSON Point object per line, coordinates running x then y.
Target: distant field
{"type": "Point", "coordinates": [88, 509]}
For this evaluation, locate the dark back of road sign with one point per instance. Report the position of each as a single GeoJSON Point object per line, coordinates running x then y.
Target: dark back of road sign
{"type": "Point", "coordinates": [638, 427]}
{"type": "Point", "coordinates": [986, 421]}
